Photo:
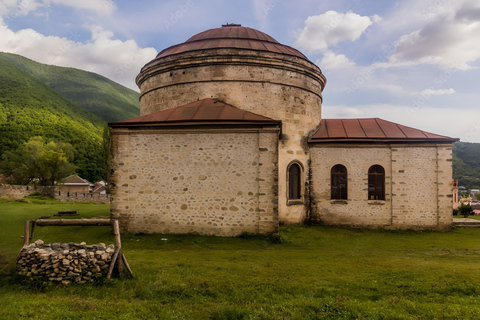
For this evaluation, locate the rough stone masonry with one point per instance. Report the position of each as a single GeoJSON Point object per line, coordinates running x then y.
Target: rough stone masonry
{"type": "Point", "coordinates": [64, 262]}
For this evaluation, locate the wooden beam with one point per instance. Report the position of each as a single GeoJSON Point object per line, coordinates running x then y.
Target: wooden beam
{"type": "Point", "coordinates": [118, 245]}
{"type": "Point", "coordinates": [73, 222]}
{"type": "Point", "coordinates": [26, 232]}
{"type": "Point", "coordinates": [112, 264]}
{"type": "Point", "coordinates": [126, 264]}
{"type": "Point", "coordinates": [32, 230]}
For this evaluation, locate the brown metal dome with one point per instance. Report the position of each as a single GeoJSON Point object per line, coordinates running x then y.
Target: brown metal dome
{"type": "Point", "coordinates": [231, 36]}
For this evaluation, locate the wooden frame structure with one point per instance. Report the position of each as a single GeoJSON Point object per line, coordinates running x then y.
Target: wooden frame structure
{"type": "Point", "coordinates": [118, 258]}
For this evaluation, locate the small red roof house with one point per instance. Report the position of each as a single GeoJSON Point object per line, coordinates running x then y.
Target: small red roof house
{"type": "Point", "coordinates": [99, 187]}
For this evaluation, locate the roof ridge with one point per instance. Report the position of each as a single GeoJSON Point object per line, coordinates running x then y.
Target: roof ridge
{"type": "Point", "coordinates": [343, 127]}
{"type": "Point", "coordinates": [169, 114]}
{"type": "Point", "coordinates": [378, 124]}
{"type": "Point", "coordinates": [326, 127]}
{"type": "Point", "coordinates": [361, 127]}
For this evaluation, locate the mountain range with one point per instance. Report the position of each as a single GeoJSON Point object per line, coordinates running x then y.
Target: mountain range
{"type": "Point", "coordinates": [61, 104]}
{"type": "Point", "coordinates": [466, 164]}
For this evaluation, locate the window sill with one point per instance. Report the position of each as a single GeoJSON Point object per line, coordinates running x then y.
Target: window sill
{"type": "Point", "coordinates": [295, 202]}
{"type": "Point", "coordinates": [376, 202]}
{"type": "Point", "coordinates": [338, 201]}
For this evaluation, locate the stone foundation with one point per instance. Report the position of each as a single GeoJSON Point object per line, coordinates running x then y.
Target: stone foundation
{"type": "Point", "coordinates": [65, 262]}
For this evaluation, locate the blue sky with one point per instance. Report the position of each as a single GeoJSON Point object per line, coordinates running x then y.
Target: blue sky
{"type": "Point", "coordinates": [415, 62]}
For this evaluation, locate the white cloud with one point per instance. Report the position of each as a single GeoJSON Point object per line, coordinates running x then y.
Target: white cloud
{"type": "Point", "coordinates": [449, 40]}
{"type": "Point", "coordinates": [14, 8]}
{"type": "Point", "coordinates": [262, 9]}
{"type": "Point", "coordinates": [104, 7]}
{"type": "Point", "coordinates": [332, 61]}
{"type": "Point", "coordinates": [328, 29]}
{"type": "Point", "coordinates": [439, 92]}
{"type": "Point", "coordinates": [115, 59]}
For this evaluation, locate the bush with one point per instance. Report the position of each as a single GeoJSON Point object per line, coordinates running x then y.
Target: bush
{"type": "Point", "coordinates": [465, 209]}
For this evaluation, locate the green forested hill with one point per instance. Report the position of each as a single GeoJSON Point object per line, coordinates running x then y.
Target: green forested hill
{"type": "Point", "coordinates": [466, 164]}
{"type": "Point", "coordinates": [100, 96]}
{"type": "Point", "coordinates": [30, 108]}
{"type": "Point", "coordinates": [54, 102]}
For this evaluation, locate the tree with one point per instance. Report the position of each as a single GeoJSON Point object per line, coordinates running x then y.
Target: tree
{"type": "Point", "coordinates": [34, 160]}
{"type": "Point", "coordinates": [465, 208]}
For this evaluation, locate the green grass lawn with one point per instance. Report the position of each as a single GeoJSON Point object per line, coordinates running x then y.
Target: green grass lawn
{"type": "Point", "coordinates": [316, 272]}
{"type": "Point", "coordinates": [469, 217]}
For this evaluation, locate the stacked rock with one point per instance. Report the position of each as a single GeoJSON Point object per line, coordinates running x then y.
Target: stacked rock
{"type": "Point", "coordinates": [64, 262]}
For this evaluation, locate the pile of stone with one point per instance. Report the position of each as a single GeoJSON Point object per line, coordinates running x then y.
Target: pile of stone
{"type": "Point", "coordinates": [65, 262]}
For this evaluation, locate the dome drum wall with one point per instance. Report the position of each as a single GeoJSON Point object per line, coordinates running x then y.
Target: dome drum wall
{"type": "Point", "coordinates": [221, 65]}
{"type": "Point", "coordinates": [281, 87]}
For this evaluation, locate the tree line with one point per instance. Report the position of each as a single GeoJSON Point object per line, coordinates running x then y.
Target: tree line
{"type": "Point", "coordinates": [46, 163]}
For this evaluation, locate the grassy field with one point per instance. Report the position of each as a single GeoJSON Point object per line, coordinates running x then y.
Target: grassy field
{"type": "Point", "coordinates": [315, 272]}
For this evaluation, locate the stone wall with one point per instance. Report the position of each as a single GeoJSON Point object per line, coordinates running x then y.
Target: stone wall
{"type": "Point", "coordinates": [18, 192]}
{"type": "Point", "coordinates": [418, 186]}
{"type": "Point", "coordinates": [64, 262]}
{"type": "Point", "coordinates": [209, 181]}
{"type": "Point", "coordinates": [274, 85]}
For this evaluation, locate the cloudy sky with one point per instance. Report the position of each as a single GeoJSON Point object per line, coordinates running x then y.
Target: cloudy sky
{"type": "Point", "coordinates": [415, 62]}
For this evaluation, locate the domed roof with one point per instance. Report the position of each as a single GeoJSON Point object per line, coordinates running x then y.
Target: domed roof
{"type": "Point", "coordinates": [231, 36]}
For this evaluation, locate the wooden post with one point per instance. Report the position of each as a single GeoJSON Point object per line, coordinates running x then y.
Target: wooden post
{"type": "Point", "coordinates": [112, 264]}
{"type": "Point", "coordinates": [127, 265]}
{"type": "Point", "coordinates": [120, 264]}
{"type": "Point", "coordinates": [116, 232]}
{"type": "Point", "coordinates": [117, 256]}
{"type": "Point", "coordinates": [118, 244]}
{"type": "Point", "coordinates": [26, 233]}
{"type": "Point", "coordinates": [32, 230]}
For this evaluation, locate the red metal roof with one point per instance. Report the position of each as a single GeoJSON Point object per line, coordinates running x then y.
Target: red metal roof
{"type": "Point", "coordinates": [372, 130]}
{"type": "Point", "coordinates": [206, 111]}
{"type": "Point", "coordinates": [231, 36]}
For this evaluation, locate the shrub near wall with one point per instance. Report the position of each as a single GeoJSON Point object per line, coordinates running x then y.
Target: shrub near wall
{"type": "Point", "coordinates": [64, 262]}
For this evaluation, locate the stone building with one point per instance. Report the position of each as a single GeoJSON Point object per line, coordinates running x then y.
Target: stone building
{"type": "Point", "coordinates": [231, 139]}
{"type": "Point", "coordinates": [74, 184]}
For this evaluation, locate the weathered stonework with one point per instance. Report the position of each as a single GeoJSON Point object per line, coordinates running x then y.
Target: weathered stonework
{"type": "Point", "coordinates": [417, 183]}
{"type": "Point", "coordinates": [270, 84]}
{"type": "Point", "coordinates": [220, 182]}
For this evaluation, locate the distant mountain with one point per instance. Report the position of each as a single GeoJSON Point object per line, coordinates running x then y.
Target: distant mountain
{"type": "Point", "coordinates": [61, 104]}
{"type": "Point", "coordinates": [466, 164]}
{"type": "Point", "coordinates": [100, 96]}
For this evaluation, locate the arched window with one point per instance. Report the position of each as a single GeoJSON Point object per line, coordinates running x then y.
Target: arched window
{"type": "Point", "coordinates": [376, 183]}
{"type": "Point", "coordinates": [294, 182]}
{"type": "Point", "coordinates": [339, 182]}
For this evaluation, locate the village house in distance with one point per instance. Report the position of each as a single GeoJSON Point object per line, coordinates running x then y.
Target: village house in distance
{"type": "Point", "coordinates": [231, 140]}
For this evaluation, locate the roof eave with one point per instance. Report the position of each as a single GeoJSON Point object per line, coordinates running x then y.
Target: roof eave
{"type": "Point", "coordinates": [192, 123]}
{"type": "Point", "coordinates": [384, 141]}
{"type": "Point", "coordinates": [197, 124]}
